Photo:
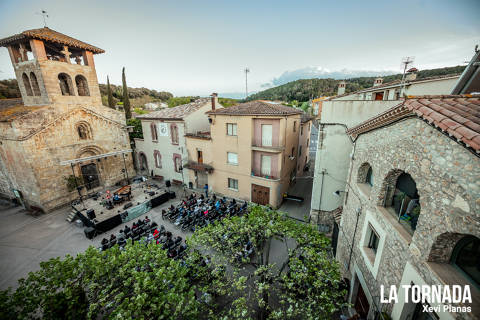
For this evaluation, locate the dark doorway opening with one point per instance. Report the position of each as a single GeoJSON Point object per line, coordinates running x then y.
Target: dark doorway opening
{"type": "Point", "coordinates": [90, 176]}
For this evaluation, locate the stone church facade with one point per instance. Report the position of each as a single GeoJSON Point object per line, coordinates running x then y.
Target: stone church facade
{"type": "Point", "coordinates": [59, 128]}
{"type": "Point", "coordinates": [412, 212]}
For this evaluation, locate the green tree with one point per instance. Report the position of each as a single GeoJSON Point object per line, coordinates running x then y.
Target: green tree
{"type": "Point", "coordinates": [126, 101]}
{"type": "Point", "coordinates": [227, 102]}
{"type": "Point", "coordinates": [111, 103]}
{"type": "Point", "coordinates": [304, 285]}
{"type": "Point", "coordinates": [177, 101]}
{"type": "Point", "coordinates": [139, 282]}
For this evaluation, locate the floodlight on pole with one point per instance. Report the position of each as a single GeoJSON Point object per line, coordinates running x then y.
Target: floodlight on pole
{"type": "Point", "coordinates": [247, 70]}
{"type": "Point", "coordinates": [405, 63]}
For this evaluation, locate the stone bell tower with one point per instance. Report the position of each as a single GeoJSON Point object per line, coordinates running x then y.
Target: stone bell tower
{"type": "Point", "coordinates": [53, 68]}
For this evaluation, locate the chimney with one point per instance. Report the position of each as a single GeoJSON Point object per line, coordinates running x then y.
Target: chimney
{"type": "Point", "coordinates": [214, 100]}
{"type": "Point", "coordinates": [411, 74]}
{"type": "Point", "coordinates": [377, 82]}
{"type": "Point", "coordinates": [341, 87]}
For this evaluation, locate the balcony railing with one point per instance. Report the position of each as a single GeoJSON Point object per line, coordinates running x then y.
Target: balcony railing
{"type": "Point", "coordinates": [196, 166]}
{"type": "Point", "coordinates": [258, 173]}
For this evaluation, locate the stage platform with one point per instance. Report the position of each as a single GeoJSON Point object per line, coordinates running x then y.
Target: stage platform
{"type": "Point", "coordinates": [141, 192]}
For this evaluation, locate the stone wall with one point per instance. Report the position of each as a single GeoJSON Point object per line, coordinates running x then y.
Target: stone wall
{"type": "Point", "coordinates": [33, 163]}
{"type": "Point", "coordinates": [447, 177]}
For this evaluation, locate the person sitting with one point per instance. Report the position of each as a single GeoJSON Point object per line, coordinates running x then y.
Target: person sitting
{"type": "Point", "coordinates": [139, 222]}
{"type": "Point", "coordinates": [104, 241]}
{"type": "Point", "coordinates": [112, 237]}
{"type": "Point", "coordinates": [134, 226]}
{"type": "Point", "coordinates": [126, 229]}
{"type": "Point", "coordinates": [146, 221]}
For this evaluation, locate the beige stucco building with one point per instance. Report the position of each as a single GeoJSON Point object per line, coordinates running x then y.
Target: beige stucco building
{"type": "Point", "coordinates": [251, 152]}
{"type": "Point", "coordinates": [59, 128]}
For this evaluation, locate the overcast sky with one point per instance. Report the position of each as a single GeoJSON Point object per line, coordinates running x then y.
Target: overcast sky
{"type": "Point", "coordinates": [198, 47]}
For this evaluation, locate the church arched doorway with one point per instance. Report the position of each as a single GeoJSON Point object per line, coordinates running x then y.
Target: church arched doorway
{"type": "Point", "coordinates": [143, 164]}
{"type": "Point", "coordinates": [90, 175]}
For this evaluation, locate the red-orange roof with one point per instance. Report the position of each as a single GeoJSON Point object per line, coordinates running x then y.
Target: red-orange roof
{"type": "Point", "coordinates": [48, 34]}
{"type": "Point", "coordinates": [456, 115]}
{"type": "Point", "coordinates": [257, 108]}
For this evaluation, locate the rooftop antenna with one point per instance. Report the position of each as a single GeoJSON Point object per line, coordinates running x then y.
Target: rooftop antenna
{"type": "Point", "coordinates": [44, 14]}
{"type": "Point", "coordinates": [406, 61]}
{"type": "Point", "coordinates": [247, 70]}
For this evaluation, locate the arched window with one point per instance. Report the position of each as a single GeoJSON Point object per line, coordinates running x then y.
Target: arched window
{"type": "Point", "coordinates": [82, 85]}
{"type": "Point", "coordinates": [400, 196]}
{"type": "Point", "coordinates": [158, 159]}
{"type": "Point", "coordinates": [84, 131]}
{"type": "Point", "coordinates": [35, 87]}
{"type": "Point", "coordinates": [365, 174]}
{"type": "Point", "coordinates": [466, 257]}
{"type": "Point", "coordinates": [174, 133]}
{"type": "Point", "coordinates": [65, 83]}
{"type": "Point", "coordinates": [177, 162]}
{"type": "Point", "coordinates": [26, 83]}
{"type": "Point", "coordinates": [369, 178]}
{"type": "Point", "coordinates": [142, 159]}
{"type": "Point", "coordinates": [153, 129]}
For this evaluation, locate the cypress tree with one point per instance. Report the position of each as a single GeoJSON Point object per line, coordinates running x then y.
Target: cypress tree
{"type": "Point", "coordinates": [111, 103]}
{"type": "Point", "coordinates": [126, 101]}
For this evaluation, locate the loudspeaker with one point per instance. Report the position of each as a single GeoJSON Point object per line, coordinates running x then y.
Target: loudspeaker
{"type": "Point", "coordinates": [91, 214]}
{"type": "Point", "coordinates": [89, 232]}
{"type": "Point", "coordinates": [168, 184]}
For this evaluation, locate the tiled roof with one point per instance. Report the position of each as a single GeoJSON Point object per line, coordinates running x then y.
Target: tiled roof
{"type": "Point", "coordinates": [456, 115]}
{"type": "Point", "coordinates": [178, 112]}
{"type": "Point", "coordinates": [394, 82]}
{"type": "Point", "coordinates": [257, 108]}
{"type": "Point", "coordinates": [50, 35]}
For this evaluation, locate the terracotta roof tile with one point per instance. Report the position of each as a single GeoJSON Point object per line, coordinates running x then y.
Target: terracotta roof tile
{"type": "Point", "coordinates": [257, 108]}
{"type": "Point", "coordinates": [459, 116]}
{"type": "Point", "coordinates": [50, 35]}
{"type": "Point", "coordinates": [178, 112]}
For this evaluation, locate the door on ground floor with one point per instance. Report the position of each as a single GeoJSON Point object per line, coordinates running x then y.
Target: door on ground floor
{"type": "Point", "coordinates": [202, 179]}
{"type": "Point", "coordinates": [361, 302]}
{"type": "Point", "coordinates": [260, 194]}
{"type": "Point", "coordinates": [90, 176]}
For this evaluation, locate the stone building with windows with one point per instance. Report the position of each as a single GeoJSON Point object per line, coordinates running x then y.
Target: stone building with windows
{"type": "Point", "coordinates": [344, 111]}
{"type": "Point", "coordinates": [59, 128]}
{"type": "Point", "coordinates": [252, 151]}
{"type": "Point", "coordinates": [162, 152]}
{"type": "Point", "coordinates": [411, 210]}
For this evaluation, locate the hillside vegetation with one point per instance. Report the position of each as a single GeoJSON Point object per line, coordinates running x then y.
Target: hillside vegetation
{"type": "Point", "coordinates": [306, 89]}
{"type": "Point", "coordinates": [9, 89]}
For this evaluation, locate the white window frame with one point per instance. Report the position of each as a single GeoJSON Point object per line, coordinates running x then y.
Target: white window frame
{"type": "Point", "coordinates": [232, 129]}
{"type": "Point", "coordinates": [267, 141]}
{"type": "Point", "coordinates": [369, 224]}
{"type": "Point", "coordinates": [233, 154]}
{"type": "Point", "coordinates": [269, 173]}
{"type": "Point", "coordinates": [234, 182]}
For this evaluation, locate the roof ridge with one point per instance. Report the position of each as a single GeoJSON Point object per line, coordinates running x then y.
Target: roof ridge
{"type": "Point", "coordinates": [456, 120]}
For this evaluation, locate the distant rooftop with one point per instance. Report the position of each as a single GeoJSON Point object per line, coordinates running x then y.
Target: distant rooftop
{"type": "Point", "coordinates": [48, 34]}
{"type": "Point", "coordinates": [257, 107]}
{"type": "Point", "coordinates": [178, 112]}
{"type": "Point", "coordinates": [395, 82]}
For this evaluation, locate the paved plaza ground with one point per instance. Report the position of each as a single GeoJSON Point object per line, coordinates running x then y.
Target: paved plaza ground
{"type": "Point", "coordinates": [26, 240]}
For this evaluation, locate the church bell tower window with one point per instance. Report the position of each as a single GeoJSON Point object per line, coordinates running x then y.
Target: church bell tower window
{"type": "Point", "coordinates": [65, 83]}
{"type": "Point", "coordinates": [82, 85]}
